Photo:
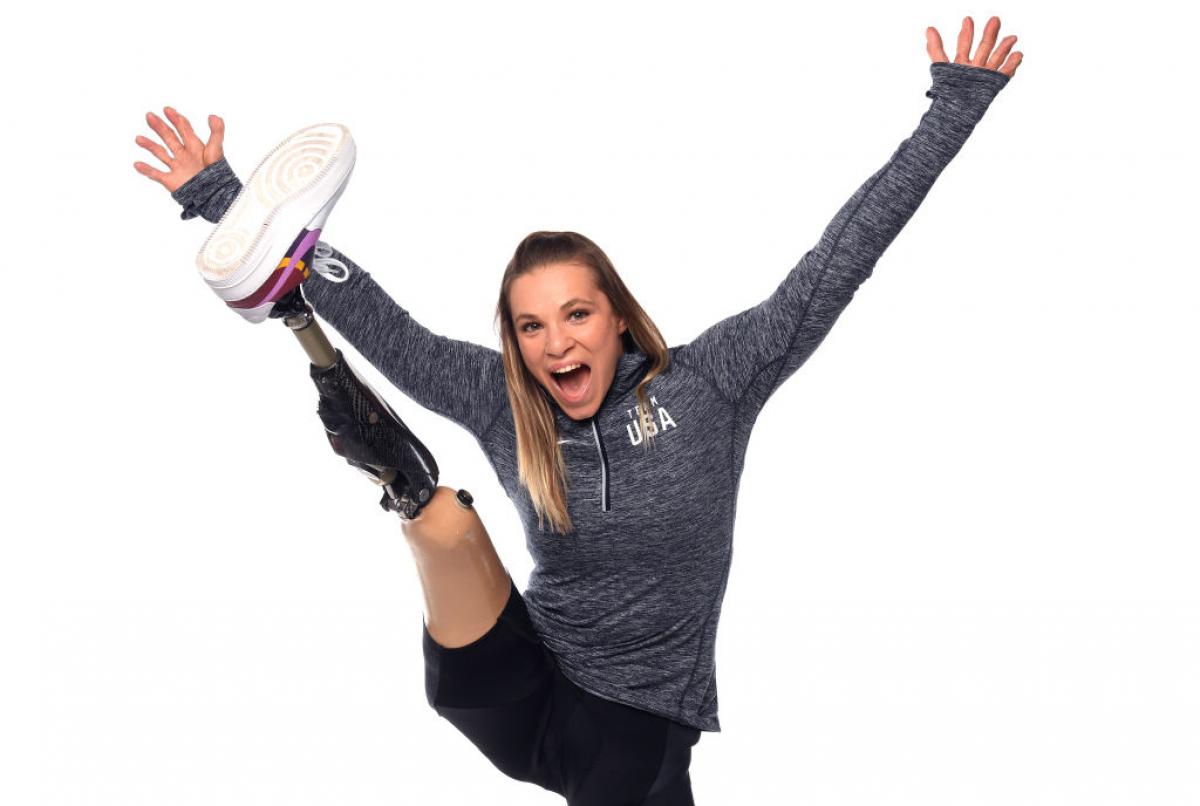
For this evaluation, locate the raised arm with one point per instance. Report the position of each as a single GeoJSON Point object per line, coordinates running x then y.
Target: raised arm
{"type": "Point", "coordinates": [457, 379]}
{"type": "Point", "coordinates": [749, 355]}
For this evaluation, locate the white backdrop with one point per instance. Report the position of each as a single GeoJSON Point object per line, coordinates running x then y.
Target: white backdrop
{"type": "Point", "coordinates": [966, 551]}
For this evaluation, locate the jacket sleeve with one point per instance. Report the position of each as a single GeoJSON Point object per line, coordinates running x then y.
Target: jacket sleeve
{"type": "Point", "coordinates": [747, 356]}
{"type": "Point", "coordinates": [459, 380]}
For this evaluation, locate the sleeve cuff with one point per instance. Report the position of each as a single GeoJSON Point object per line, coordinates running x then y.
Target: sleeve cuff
{"type": "Point", "coordinates": [965, 82]}
{"type": "Point", "coordinates": [209, 193]}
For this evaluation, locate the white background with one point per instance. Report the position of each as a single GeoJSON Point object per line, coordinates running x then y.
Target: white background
{"type": "Point", "coordinates": [966, 552]}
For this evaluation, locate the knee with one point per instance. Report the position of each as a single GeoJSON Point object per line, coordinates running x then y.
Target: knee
{"type": "Point", "coordinates": [447, 521]}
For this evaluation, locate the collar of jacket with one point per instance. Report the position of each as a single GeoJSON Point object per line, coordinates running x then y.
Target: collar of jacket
{"type": "Point", "coordinates": [631, 366]}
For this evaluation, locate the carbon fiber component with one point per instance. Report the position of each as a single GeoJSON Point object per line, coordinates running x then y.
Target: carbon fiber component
{"type": "Point", "coordinates": [363, 430]}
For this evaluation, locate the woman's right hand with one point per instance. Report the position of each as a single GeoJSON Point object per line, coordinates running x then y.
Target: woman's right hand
{"type": "Point", "coordinates": [185, 155]}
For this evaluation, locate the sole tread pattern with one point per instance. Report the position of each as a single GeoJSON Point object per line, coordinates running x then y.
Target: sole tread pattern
{"type": "Point", "coordinates": [288, 171]}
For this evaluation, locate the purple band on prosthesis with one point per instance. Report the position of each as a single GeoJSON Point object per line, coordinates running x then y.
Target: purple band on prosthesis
{"type": "Point", "coordinates": [297, 253]}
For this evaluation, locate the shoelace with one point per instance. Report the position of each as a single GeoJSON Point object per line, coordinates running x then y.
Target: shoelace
{"type": "Point", "coordinates": [329, 267]}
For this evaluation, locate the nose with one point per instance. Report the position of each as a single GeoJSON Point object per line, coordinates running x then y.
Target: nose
{"type": "Point", "coordinates": [558, 340]}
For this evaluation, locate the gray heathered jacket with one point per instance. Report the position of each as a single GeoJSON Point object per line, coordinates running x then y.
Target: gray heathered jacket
{"type": "Point", "coordinates": [629, 602]}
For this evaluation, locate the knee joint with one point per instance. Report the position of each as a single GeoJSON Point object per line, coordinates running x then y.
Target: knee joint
{"type": "Point", "coordinates": [447, 521]}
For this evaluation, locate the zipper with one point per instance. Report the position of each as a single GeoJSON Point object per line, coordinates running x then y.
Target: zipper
{"type": "Point", "coordinates": [604, 502]}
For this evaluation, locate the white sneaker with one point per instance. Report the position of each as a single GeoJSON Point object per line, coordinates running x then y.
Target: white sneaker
{"type": "Point", "coordinates": [255, 256]}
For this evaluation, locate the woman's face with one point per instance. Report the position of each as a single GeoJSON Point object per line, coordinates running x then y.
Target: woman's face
{"type": "Point", "coordinates": [564, 320]}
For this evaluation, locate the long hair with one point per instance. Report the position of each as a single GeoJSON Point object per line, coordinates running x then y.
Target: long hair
{"type": "Point", "coordinates": [539, 458]}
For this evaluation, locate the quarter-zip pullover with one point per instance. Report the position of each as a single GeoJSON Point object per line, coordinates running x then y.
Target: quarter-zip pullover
{"type": "Point", "coordinates": [629, 601]}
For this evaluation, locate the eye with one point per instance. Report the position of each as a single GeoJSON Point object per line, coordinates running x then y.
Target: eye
{"type": "Point", "coordinates": [525, 327]}
{"type": "Point", "coordinates": [583, 314]}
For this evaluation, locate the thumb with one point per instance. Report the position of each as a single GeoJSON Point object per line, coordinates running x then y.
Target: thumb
{"type": "Point", "coordinates": [213, 149]}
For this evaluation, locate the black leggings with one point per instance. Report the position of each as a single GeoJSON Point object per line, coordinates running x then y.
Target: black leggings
{"type": "Point", "coordinates": [507, 695]}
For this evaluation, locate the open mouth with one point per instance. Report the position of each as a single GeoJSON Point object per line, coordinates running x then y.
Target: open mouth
{"type": "Point", "coordinates": [573, 384]}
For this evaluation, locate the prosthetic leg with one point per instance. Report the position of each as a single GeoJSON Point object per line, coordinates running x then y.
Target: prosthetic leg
{"type": "Point", "coordinates": [360, 425]}
{"type": "Point", "coordinates": [256, 259]}
{"type": "Point", "coordinates": [465, 584]}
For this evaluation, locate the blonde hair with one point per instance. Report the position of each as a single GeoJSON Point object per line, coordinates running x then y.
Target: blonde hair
{"type": "Point", "coordinates": [539, 458]}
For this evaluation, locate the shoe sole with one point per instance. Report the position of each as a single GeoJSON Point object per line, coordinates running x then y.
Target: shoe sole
{"type": "Point", "coordinates": [254, 255]}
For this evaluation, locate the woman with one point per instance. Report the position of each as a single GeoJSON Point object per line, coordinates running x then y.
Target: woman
{"type": "Point", "coordinates": [622, 456]}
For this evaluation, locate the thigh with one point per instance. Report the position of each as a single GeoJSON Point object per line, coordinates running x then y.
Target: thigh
{"type": "Point", "coordinates": [497, 691]}
{"type": "Point", "coordinates": [611, 754]}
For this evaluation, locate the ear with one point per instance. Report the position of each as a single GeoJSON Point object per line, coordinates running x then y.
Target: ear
{"type": "Point", "coordinates": [620, 326]}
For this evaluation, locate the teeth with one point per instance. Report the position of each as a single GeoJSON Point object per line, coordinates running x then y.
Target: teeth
{"type": "Point", "coordinates": [567, 368]}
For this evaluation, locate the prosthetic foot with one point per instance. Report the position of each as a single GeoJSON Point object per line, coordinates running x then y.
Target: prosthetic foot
{"type": "Point", "coordinates": [363, 429]}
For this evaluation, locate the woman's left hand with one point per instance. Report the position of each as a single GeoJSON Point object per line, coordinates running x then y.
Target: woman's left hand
{"type": "Point", "coordinates": [185, 154]}
{"type": "Point", "coordinates": [987, 55]}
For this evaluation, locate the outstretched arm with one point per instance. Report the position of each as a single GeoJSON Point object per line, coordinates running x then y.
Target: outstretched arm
{"type": "Point", "coordinates": [457, 379]}
{"type": "Point", "coordinates": [749, 355]}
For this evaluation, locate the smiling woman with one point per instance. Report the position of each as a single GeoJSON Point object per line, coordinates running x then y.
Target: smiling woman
{"type": "Point", "coordinates": [566, 318]}
{"type": "Point", "coordinates": [598, 680]}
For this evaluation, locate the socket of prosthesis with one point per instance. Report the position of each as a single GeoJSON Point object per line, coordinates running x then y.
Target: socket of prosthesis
{"type": "Point", "coordinates": [363, 430]}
